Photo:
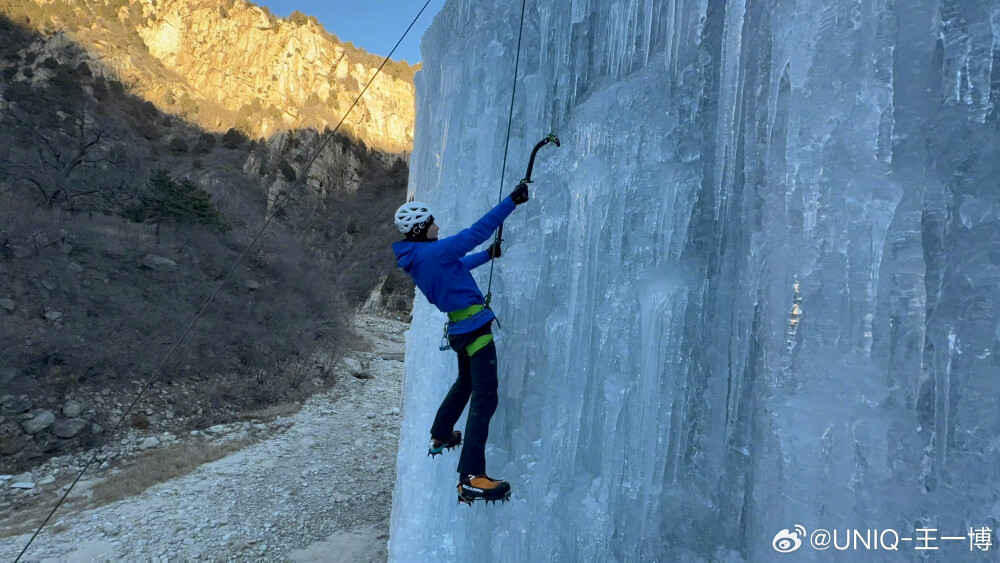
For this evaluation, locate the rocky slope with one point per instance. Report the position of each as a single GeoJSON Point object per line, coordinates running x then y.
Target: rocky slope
{"type": "Point", "coordinates": [315, 487]}
{"type": "Point", "coordinates": [225, 64]}
{"type": "Point", "coordinates": [92, 288]}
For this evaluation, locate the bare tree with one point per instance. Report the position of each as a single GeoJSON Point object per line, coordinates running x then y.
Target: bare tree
{"type": "Point", "coordinates": [65, 158]}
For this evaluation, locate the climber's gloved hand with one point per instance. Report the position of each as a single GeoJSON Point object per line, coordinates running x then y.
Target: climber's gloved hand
{"type": "Point", "coordinates": [520, 194]}
{"type": "Point", "coordinates": [494, 250]}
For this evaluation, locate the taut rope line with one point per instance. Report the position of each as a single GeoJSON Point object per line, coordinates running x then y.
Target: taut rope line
{"type": "Point", "coordinates": [506, 147]}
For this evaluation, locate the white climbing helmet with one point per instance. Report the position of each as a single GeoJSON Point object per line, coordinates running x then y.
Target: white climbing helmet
{"type": "Point", "coordinates": [410, 215]}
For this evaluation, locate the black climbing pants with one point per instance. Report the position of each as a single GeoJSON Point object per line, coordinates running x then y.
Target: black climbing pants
{"type": "Point", "coordinates": [477, 378]}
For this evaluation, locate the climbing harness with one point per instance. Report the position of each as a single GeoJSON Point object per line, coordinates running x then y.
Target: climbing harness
{"type": "Point", "coordinates": [277, 208]}
{"type": "Point", "coordinates": [463, 320]}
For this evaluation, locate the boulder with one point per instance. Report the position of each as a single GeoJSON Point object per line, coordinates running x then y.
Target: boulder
{"type": "Point", "coordinates": [72, 409]}
{"type": "Point", "coordinates": [352, 366]}
{"type": "Point", "coordinates": [40, 421]}
{"type": "Point", "coordinates": [148, 443]}
{"type": "Point", "coordinates": [68, 427]}
{"type": "Point", "coordinates": [53, 315]}
{"type": "Point", "coordinates": [8, 305]}
{"type": "Point", "coordinates": [157, 262]}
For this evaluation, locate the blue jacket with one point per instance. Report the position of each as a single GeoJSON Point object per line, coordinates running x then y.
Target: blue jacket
{"type": "Point", "coordinates": [443, 272]}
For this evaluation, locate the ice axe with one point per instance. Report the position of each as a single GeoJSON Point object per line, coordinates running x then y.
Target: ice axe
{"type": "Point", "coordinates": [531, 162]}
{"type": "Point", "coordinates": [551, 138]}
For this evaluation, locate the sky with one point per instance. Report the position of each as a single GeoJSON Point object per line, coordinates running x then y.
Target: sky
{"type": "Point", "coordinates": [375, 25]}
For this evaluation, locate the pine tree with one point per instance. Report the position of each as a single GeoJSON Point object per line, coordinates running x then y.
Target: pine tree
{"type": "Point", "coordinates": [179, 201]}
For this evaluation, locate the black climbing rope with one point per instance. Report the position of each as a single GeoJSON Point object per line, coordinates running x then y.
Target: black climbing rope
{"type": "Point", "coordinates": [277, 207]}
{"type": "Point", "coordinates": [506, 147]}
{"type": "Point", "coordinates": [551, 138]}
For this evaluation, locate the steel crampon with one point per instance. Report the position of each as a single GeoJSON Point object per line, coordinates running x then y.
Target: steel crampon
{"type": "Point", "coordinates": [434, 450]}
{"type": "Point", "coordinates": [435, 454]}
{"type": "Point", "coordinates": [470, 501]}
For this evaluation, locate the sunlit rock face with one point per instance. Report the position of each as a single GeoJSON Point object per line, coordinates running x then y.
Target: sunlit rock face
{"type": "Point", "coordinates": [237, 55]}
{"type": "Point", "coordinates": [223, 64]}
{"type": "Point", "coordinates": [757, 287]}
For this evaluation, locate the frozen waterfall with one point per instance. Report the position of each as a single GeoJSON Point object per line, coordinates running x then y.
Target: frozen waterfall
{"type": "Point", "coordinates": [757, 289]}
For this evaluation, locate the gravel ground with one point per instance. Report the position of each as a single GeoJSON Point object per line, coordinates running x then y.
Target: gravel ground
{"type": "Point", "coordinates": [321, 490]}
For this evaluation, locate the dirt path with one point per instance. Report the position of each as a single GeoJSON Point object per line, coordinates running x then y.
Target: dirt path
{"type": "Point", "coordinates": [321, 490]}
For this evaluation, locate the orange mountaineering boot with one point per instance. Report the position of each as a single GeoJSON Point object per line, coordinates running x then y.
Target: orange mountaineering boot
{"type": "Point", "coordinates": [481, 487]}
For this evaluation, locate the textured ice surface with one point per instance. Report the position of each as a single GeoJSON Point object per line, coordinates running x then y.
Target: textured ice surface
{"type": "Point", "coordinates": [758, 286]}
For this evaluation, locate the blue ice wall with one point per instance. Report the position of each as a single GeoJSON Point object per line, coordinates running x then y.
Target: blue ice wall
{"type": "Point", "coordinates": [758, 286]}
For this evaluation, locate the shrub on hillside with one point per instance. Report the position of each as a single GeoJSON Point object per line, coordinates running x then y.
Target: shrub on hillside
{"type": "Point", "coordinates": [178, 146]}
{"type": "Point", "coordinates": [233, 139]}
{"type": "Point", "coordinates": [177, 201]}
{"type": "Point", "coordinates": [117, 329]}
{"type": "Point", "coordinates": [100, 90]}
{"type": "Point", "coordinates": [205, 144]}
{"type": "Point", "coordinates": [65, 87]}
{"type": "Point", "coordinates": [147, 130]}
{"type": "Point", "coordinates": [187, 106]}
{"type": "Point", "coordinates": [287, 172]}
{"type": "Point", "coordinates": [148, 111]}
{"type": "Point", "coordinates": [298, 18]}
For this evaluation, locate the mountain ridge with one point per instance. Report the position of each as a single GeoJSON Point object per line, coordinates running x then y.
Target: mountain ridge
{"type": "Point", "coordinates": [231, 64]}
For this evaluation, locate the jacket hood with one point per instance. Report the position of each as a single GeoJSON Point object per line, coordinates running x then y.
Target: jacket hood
{"type": "Point", "coordinates": [404, 253]}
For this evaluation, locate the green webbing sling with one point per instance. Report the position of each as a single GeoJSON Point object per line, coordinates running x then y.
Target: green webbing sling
{"type": "Point", "coordinates": [462, 314]}
{"type": "Point", "coordinates": [478, 344]}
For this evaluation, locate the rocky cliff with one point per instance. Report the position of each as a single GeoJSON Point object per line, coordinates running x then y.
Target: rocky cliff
{"type": "Point", "coordinates": [223, 64]}
{"type": "Point", "coordinates": [118, 219]}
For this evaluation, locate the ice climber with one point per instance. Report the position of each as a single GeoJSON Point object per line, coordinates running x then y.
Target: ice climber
{"type": "Point", "coordinates": [442, 270]}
